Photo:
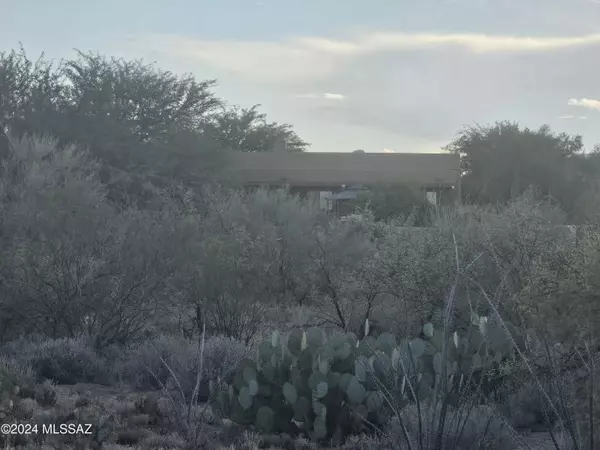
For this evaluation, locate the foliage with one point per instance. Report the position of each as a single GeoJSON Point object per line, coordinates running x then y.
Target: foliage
{"type": "Point", "coordinates": [502, 160]}
{"type": "Point", "coordinates": [278, 240]}
{"type": "Point", "coordinates": [30, 94]}
{"type": "Point", "coordinates": [149, 127]}
{"type": "Point", "coordinates": [566, 344]}
{"type": "Point", "coordinates": [568, 277]}
{"type": "Point", "coordinates": [64, 361]}
{"type": "Point", "coordinates": [482, 429]}
{"type": "Point", "coordinates": [392, 201]}
{"type": "Point", "coordinates": [62, 269]}
{"type": "Point", "coordinates": [346, 271]}
{"type": "Point", "coordinates": [250, 250]}
{"type": "Point", "coordinates": [247, 130]}
{"type": "Point", "coordinates": [144, 368]}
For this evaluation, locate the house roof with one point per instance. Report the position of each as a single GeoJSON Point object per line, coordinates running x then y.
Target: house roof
{"type": "Point", "coordinates": [334, 169]}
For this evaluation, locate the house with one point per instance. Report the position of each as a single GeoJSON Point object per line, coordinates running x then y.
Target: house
{"type": "Point", "coordinates": [342, 175]}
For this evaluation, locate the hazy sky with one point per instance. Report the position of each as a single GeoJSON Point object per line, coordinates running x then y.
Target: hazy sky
{"type": "Point", "coordinates": [395, 74]}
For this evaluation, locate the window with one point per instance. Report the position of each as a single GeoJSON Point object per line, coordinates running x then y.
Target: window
{"type": "Point", "coordinates": [432, 197]}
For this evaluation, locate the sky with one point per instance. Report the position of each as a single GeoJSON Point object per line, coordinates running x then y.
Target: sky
{"type": "Point", "coordinates": [377, 75]}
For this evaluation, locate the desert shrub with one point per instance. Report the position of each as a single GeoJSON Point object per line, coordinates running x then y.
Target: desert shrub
{"type": "Point", "coordinates": [65, 360]}
{"type": "Point", "coordinates": [15, 373]}
{"type": "Point", "coordinates": [157, 442]}
{"type": "Point", "coordinates": [392, 201]}
{"type": "Point", "coordinates": [241, 252]}
{"type": "Point", "coordinates": [480, 428]}
{"type": "Point", "coordinates": [496, 249]}
{"type": "Point", "coordinates": [221, 355]}
{"type": "Point", "coordinates": [416, 266]}
{"type": "Point", "coordinates": [560, 303]}
{"type": "Point", "coordinates": [145, 370]}
{"type": "Point", "coordinates": [278, 241]}
{"type": "Point", "coordinates": [143, 365]}
{"type": "Point", "coordinates": [525, 406]}
{"type": "Point", "coordinates": [561, 298]}
{"type": "Point", "coordinates": [52, 207]}
{"type": "Point", "coordinates": [63, 270]}
{"type": "Point", "coordinates": [16, 379]}
{"type": "Point", "coordinates": [286, 319]}
{"type": "Point", "coordinates": [346, 271]}
{"type": "Point", "coordinates": [585, 399]}
{"type": "Point", "coordinates": [561, 399]}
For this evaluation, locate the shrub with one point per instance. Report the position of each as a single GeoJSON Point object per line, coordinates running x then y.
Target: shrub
{"type": "Point", "coordinates": [246, 250]}
{"type": "Point", "coordinates": [65, 361]}
{"type": "Point", "coordinates": [525, 407]}
{"type": "Point", "coordinates": [221, 355]}
{"type": "Point", "coordinates": [74, 263]}
{"type": "Point", "coordinates": [393, 201]}
{"type": "Point", "coordinates": [346, 272]}
{"type": "Point", "coordinates": [15, 373]}
{"type": "Point", "coordinates": [482, 429]}
{"type": "Point", "coordinates": [13, 377]}
{"type": "Point", "coordinates": [144, 366]}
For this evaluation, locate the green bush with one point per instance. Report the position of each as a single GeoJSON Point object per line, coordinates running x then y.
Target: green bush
{"type": "Point", "coordinates": [64, 361]}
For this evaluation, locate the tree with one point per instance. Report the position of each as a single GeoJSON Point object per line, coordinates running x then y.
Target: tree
{"type": "Point", "coordinates": [31, 96]}
{"type": "Point", "coordinates": [149, 103]}
{"type": "Point", "coordinates": [502, 161]}
{"type": "Point", "coordinates": [149, 128]}
{"type": "Point", "coordinates": [136, 118]}
{"type": "Point", "coordinates": [585, 174]}
{"type": "Point", "coordinates": [247, 130]}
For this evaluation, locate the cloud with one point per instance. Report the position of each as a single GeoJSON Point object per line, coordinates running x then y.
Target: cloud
{"type": "Point", "coordinates": [483, 43]}
{"type": "Point", "coordinates": [570, 116]}
{"type": "Point", "coordinates": [305, 58]}
{"type": "Point", "coordinates": [265, 61]}
{"type": "Point", "coordinates": [323, 96]}
{"type": "Point", "coordinates": [387, 150]}
{"type": "Point", "coordinates": [585, 103]}
{"type": "Point", "coordinates": [329, 96]}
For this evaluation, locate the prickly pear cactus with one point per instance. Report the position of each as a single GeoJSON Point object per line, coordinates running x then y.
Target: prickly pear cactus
{"type": "Point", "coordinates": [327, 387]}
{"type": "Point", "coordinates": [443, 363]}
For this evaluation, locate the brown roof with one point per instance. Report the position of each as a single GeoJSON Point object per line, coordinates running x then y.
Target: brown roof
{"type": "Point", "coordinates": [333, 169]}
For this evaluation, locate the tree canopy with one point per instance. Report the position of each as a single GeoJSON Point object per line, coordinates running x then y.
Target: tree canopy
{"type": "Point", "coordinates": [144, 124]}
{"type": "Point", "coordinates": [503, 160]}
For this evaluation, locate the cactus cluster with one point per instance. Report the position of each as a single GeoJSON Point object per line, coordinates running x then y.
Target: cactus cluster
{"type": "Point", "coordinates": [305, 385]}
{"type": "Point", "coordinates": [330, 386]}
{"type": "Point", "coordinates": [445, 363]}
